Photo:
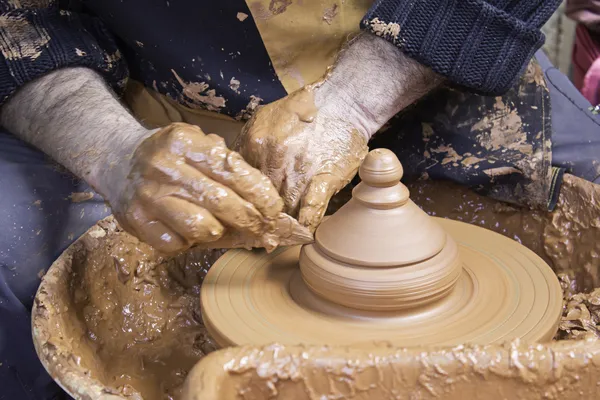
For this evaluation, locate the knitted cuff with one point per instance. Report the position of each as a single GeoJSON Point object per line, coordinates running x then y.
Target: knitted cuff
{"type": "Point", "coordinates": [35, 42]}
{"type": "Point", "coordinates": [470, 42]}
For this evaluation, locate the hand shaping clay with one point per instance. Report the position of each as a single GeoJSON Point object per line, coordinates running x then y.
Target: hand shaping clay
{"type": "Point", "coordinates": [286, 231]}
{"type": "Point", "coordinates": [382, 270]}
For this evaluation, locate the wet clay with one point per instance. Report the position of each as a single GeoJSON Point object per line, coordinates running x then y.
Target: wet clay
{"type": "Point", "coordinates": [79, 355]}
{"type": "Point", "coordinates": [382, 269]}
{"type": "Point", "coordinates": [286, 231]}
{"type": "Point", "coordinates": [137, 322]}
{"type": "Point", "coordinates": [568, 238]}
{"type": "Point", "coordinates": [306, 150]}
{"type": "Point", "coordinates": [565, 371]}
{"type": "Point", "coordinates": [356, 263]}
{"type": "Point", "coordinates": [581, 315]}
{"type": "Point", "coordinates": [256, 299]}
{"type": "Point", "coordinates": [188, 188]}
{"type": "Point", "coordinates": [359, 233]}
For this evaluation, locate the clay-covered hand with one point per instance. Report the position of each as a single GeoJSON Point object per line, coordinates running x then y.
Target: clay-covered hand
{"type": "Point", "coordinates": [309, 153]}
{"type": "Point", "coordinates": [311, 143]}
{"type": "Point", "coordinates": [183, 187]}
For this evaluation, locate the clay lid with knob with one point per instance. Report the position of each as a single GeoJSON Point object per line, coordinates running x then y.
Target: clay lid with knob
{"type": "Point", "coordinates": [380, 226]}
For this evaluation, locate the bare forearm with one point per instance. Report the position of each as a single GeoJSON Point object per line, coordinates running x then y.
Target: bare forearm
{"type": "Point", "coordinates": [375, 81]}
{"type": "Point", "coordinates": [72, 116]}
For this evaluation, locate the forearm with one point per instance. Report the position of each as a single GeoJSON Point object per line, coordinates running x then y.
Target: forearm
{"type": "Point", "coordinates": [373, 81]}
{"type": "Point", "coordinates": [72, 116]}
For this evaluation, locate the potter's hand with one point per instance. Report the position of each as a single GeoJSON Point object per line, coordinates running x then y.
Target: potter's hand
{"type": "Point", "coordinates": [311, 142]}
{"type": "Point", "coordinates": [309, 153]}
{"type": "Point", "coordinates": [183, 187]}
{"type": "Point", "coordinates": [173, 188]}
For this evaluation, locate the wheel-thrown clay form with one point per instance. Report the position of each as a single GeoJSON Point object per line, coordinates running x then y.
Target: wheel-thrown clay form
{"type": "Point", "coordinates": [382, 270]}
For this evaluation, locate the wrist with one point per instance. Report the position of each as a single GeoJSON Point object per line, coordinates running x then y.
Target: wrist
{"type": "Point", "coordinates": [108, 174]}
{"type": "Point", "coordinates": [372, 81]}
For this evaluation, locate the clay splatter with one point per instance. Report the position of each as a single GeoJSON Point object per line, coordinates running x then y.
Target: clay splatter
{"type": "Point", "coordinates": [242, 16]}
{"type": "Point", "coordinates": [234, 85]}
{"type": "Point", "coordinates": [471, 160]}
{"type": "Point", "coordinates": [535, 74]}
{"type": "Point", "coordinates": [31, 3]}
{"type": "Point", "coordinates": [250, 109]}
{"type": "Point", "coordinates": [581, 315]}
{"type": "Point", "coordinates": [452, 155]}
{"type": "Point", "coordinates": [79, 197]}
{"type": "Point", "coordinates": [330, 13]}
{"type": "Point", "coordinates": [426, 131]}
{"type": "Point", "coordinates": [22, 40]}
{"type": "Point", "coordinates": [503, 129]}
{"type": "Point", "coordinates": [501, 171]}
{"type": "Point", "coordinates": [111, 59]}
{"type": "Point", "coordinates": [279, 6]}
{"type": "Point", "coordinates": [384, 29]}
{"type": "Point", "coordinates": [199, 94]}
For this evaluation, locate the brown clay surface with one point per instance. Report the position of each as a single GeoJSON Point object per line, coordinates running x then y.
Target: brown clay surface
{"type": "Point", "coordinates": [123, 314]}
{"type": "Point", "coordinates": [380, 226]}
{"type": "Point", "coordinates": [381, 269]}
{"type": "Point", "coordinates": [504, 292]}
{"type": "Point", "coordinates": [563, 370]}
{"type": "Point", "coordinates": [568, 239]}
{"type": "Point", "coordinates": [356, 262]}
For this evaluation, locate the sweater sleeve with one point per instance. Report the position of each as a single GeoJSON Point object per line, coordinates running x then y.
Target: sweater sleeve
{"type": "Point", "coordinates": [481, 44]}
{"type": "Point", "coordinates": [39, 37]}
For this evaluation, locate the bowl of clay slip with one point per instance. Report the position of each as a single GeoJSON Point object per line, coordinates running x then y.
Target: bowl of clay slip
{"type": "Point", "coordinates": [112, 319]}
{"type": "Point", "coordinates": [566, 369]}
{"type": "Point", "coordinates": [58, 332]}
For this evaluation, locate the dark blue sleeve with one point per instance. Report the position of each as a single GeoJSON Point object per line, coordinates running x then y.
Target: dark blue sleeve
{"type": "Point", "coordinates": [40, 37]}
{"type": "Point", "coordinates": [481, 44]}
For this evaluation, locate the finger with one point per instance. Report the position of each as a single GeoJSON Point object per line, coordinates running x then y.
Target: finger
{"type": "Point", "coordinates": [229, 169]}
{"type": "Point", "coordinates": [292, 190]}
{"type": "Point", "coordinates": [195, 224]}
{"type": "Point", "coordinates": [253, 140]}
{"type": "Point", "coordinates": [261, 147]}
{"type": "Point", "coordinates": [314, 204]}
{"type": "Point", "coordinates": [223, 203]}
{"type": "Point", "coordinates": [277, 158]}
{"type": "Point", "coordinates": [154, 232]}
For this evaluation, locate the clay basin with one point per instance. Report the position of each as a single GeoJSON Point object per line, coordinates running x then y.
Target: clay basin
{"type": "Point", "coordinates": [89, 339]}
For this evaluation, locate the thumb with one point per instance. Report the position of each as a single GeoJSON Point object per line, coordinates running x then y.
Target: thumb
{"type": "Point", "coordinates": [316, 199]}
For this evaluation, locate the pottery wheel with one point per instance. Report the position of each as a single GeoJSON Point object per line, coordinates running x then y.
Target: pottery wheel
{"type": "Point", "coordinates": [478, 286]}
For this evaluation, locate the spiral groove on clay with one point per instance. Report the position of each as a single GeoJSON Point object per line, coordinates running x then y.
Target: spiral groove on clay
{"type": "Point", "coordinates": [382, 270]}
{"type": "Point", "coordinates": [380, 251]}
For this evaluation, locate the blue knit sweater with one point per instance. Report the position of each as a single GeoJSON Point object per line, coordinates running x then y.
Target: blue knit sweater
{"type": "Point", "coordinates": [480, 44]}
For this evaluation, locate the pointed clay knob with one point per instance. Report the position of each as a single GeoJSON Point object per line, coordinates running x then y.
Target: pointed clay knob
{"type": "Point", "coordinates": [381, 168]}
{"type": "Point", "coordinates": [380, 226]}
{"type": "Point", "coordinates": [381, 173]}
{"type": "Point", "coordinates": [380, 251]}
